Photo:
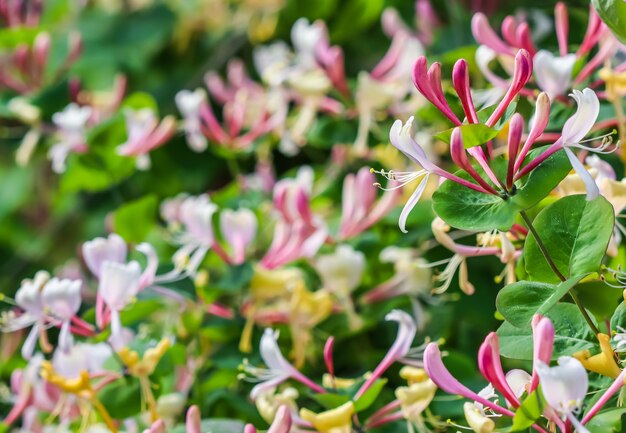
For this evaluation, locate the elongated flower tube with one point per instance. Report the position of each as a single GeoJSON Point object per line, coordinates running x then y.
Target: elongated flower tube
{"type": "Point", "coordinates": [459, 156]}
{"type": "Point", "coordinates": [491, 368]}
{"type": "Point", "coordinates": [398, 350]}
{"type": "Point", "coordinates": [516, 127]}
{"type": "Point", "coordinates": [439, 374]}
{"type": "Point", "coordinates": [540, 121]}
{"type": "Point", "coordinates": [543, 345]}
{"type": "Point", "coordinates": [193, 420]}
{"type": "Point", "coordinates": [460, 81]}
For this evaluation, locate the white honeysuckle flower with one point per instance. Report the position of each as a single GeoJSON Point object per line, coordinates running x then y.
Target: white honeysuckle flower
{"type": "Point", "coordinates": [81, 357]}
{"type": "Point", "coordinates": [28, 297]}
{"type": "Point", "coordinates": [62, 300]}
{"type": "Point", "coordinates": [100, 250]}
{"type": "Point", "coordinates": [277, 370]}
{"type": "Point", "coordinates": [71, 124]}
{"type": "Point", "coordinates": [553, 73]}
{"type": "Point", "coordinates": [564, 387]}
{"type": "Point", "coordinates": [343, 270]}
{"type": "Point", "coordinates": [119, 283]}
{"type": "Point", "coordinates": [305, 37]}
{"type": "Point", "coordinates": [272, 62]}
{"type": "Point", "coordinates": [189, 104]}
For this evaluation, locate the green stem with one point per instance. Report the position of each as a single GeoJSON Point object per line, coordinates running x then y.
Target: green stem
{"type": "Point", "coordinates": [558, 273]}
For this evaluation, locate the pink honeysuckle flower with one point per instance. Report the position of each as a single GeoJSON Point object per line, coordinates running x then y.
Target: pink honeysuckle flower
{"type": "Point", "coordinates": [18, 14]}
{"type": "Point", "coordinates": [281, 424]}
{"type": "Point", "coordinates": [298, 233]}
{"type": "Point", "coordinates": [360, 207]}
{"type": "Point", "coordinates": [400, 348]}
{"type": "Point", "coordinates": [239, 229]}
{"type": "Point", "coordinates": [401, 138]}
{"type": "Point", "coordinates": [574, 130]}
{"type": "Point", "coordinates": [553, 72]}
{"type": "Point", "coordinates": [145, 133]}
{"type": "Point", "coordinates": [26, 69]}
{"type": "Point", "coordinates": [99, 250]}
{"type": "Point", "coordinates": [71, 126]}
{"type": "Point", "coordinates": [278, 369]}
{"type": "Point", "coordinates": [193, 424]}
{"type": "Point", "coordinates": [31, 391]}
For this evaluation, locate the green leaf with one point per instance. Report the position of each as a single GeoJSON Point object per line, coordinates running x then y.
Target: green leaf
{"type": "Point", "coordinates": [122, 398]}
{"type": "Point", "coordinates": [608, 421]}
{"type": "Point", "coordinates": [473, 135]}
{"type": "Point", "coordinates": [619, 316]}
{"type": "Point", "coordinates": [139, 100]}
{"type": "Point", "coordinates": [467, 209]}
{"type": "Point", "coordinates": [613, 13]}
{"type": "Point", "coordinates": [353, 17]}
{"type": "Point", "coordinates": [369, 397]}
{"type": "Point", "coordinates": [529, 411]}
{"type": "Point", "coordinates": [572, 334]}
{"type": "Point", "coordinates": [236, 278]}
{"type": "Point", "coordinates": [519, 302]}
{"type": "Point", "coordinates": [599, 298]}
{"type": "Point", "coordinates": [330, 400]}
{"type": "Point", "coordinates": [134, 220]}
{"type": "Point", "coordinates": [576, 233]}
{"type": "Point", "coordinates": [101, 167]}
{"type": "Point", "coordinates": [11, 37]}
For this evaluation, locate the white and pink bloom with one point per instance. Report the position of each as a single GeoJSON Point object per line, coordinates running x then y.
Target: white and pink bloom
{"type": "Point", "coordinates": [278, 369]}
{"type": "Point", "coordinates": [145, 133]}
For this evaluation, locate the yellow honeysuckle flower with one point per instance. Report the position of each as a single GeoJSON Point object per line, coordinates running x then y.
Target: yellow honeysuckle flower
{"type": "Point", "coordinates": [337, 420]}
{"type": "Point", "coordinates": [268, 402]}
{"type": "Point", "coordinates": [413, 374]}
{"type": "Point", "coordinates": [143, 367]}
{"type": "Point", "coordinates": [80, 385]}
{"type": "Point", "coordinates": [602, 363]}
{"type": "Point", "coordinates": [306, 309]}
{"type": "Point", "coordinates": [267, 284]}
{"type": "Point", "coordinates": [329, 381]}
{"type": "Point", "coordinates": [477, 420]}
{"type": "Point", "coordinates": [615, 83]}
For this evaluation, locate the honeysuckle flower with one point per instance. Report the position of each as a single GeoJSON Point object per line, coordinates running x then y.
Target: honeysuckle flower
{"type": "Point", "coordinates": [62, 299]}
{"type": "Point", "coordinates": [82, 357]}
{"type": "Point", "coordinates": [341, 274]}
{"type": "Point", "coordinates": [145, 133]}
{"type": "Point", "coordinates": [564, 387]}
{"type": "Point", "coordinates": [553, 73]}
{"type": "Point", "coordinates": [337, 420]}
{"type": "Point", "coordinates": [574, 130]}
{"type": "Point", "coordinates": [491, 368]}
{"type": "Point", "coordinates": [306, 309]}
{"type": "Point", "coordinates": [100, 250]}
{"type": "Point", "coordinates": [360, 208]}
{"type": "Point", "coordinates": [415, 397]}
{"type": "Point", "coordinates": [121, 282]}
{"type": "Point", "coordinates": [26, 67]}
{"type": "Point", "coordinates": [277, 370]}
{"type": "Point", "coordinates": [412, 276]}
{"type": "Point", "coordinates": [401, 138]}
{"type": "Point", "coordinates": [269, 402]}
{"type": "Point", "coordinates": [305, 38]}
{"type": "Point", "coordinates": [239, 229]}
{"type": "Point", "coordinates": [30, 391]}
{"type": "Point", "coordinates": [189, 103]}
{"type": "Point", "coordinates": [281, 424]}
{"type": "Point", "coordinates": [398, 350]}
{"type": "Point", "coordinates": [71, 126]}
